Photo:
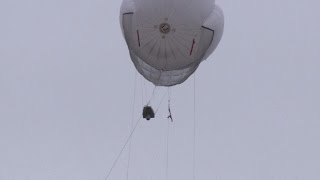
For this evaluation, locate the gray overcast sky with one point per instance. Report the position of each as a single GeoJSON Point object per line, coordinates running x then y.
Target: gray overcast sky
{"type": "Point", "coordinates": [66, 94]}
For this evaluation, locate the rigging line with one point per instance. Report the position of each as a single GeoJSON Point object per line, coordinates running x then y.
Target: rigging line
{"type": "Point", "coordinates": [167, 160]}
{"type": "Point", "coordinates": [169, 105]}
{"type": "Point", "coordinates": [145, 89]}
{"type": "Point", "coordinates": [142, 94]}
{"type": "Point", "coordinates": [125, 144]}
{"type": "Point", "coordinates": [153, 93]}
{"type": "Point", "coordinates": [155, 88]}
{"type": "Point", "coordinates": [162, 99]}
{"type": "Point", "coordinates": [194, 127]}
{"type": "Point", "coordinates": [132, 121]}
{"type": "Point", "coordinates": [168, 132]}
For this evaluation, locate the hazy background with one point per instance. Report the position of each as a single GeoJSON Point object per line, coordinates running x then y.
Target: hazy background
{"type": "Point", "coordinates": [67, 85]}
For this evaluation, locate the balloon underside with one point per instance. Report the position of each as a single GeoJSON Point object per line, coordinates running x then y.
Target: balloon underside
{"type": "Point", "coordinates": [167, 40]}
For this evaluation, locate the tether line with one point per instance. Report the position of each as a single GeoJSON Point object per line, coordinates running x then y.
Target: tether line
{"type": "Point", "coordinates": [132, 119]}
{"type": "Point", "coordinates": [167, 160]}
{"type": "Point", "coordinates": [125, 144]}
{"type": "Point", "coordinates": [194, 127]}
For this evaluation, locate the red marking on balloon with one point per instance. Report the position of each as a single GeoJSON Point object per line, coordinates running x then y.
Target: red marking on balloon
{"type": "Point", "coordinates": [138, 35]}
{"type": "Point", "coordinates": [193, 43]}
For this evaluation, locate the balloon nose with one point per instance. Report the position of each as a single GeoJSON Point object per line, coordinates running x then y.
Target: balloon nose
{"type": "Point", "coordinates": [165, 28]}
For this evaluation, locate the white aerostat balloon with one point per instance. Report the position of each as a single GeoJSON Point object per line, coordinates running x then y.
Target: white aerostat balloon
{"type": "Point", "coordinates": [168, 39]}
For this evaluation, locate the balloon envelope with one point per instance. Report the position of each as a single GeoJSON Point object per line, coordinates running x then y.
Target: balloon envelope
{"type": "Point", "coordinates": [168, 39]}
